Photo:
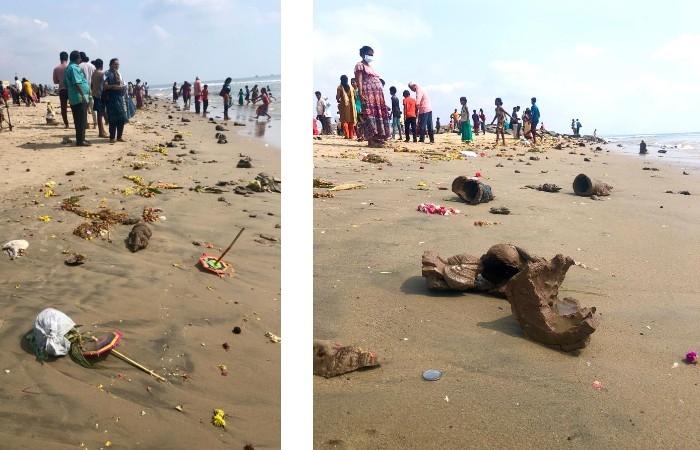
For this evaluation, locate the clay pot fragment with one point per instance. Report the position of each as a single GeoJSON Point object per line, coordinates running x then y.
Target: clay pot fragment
{"type": "Point", "coordinates": [471, 190]}
{"type": "Point", "coordinates": [559, 323]}
{"type": "Point", "coordinates": [331, 359]}
{"type": "Point", "coordinates": [585, 187]}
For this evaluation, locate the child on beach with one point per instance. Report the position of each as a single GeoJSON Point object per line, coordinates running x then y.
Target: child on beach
{"type": "Point", "coordinates": [477, 121]}
{"type": "Point", "coordinates": [482, 121]}
{"type": "Point", "coordinates": [50, 118]}
{"type": "Point", "coordinates": [262, 109]}
{"type": "Point", "coordinates": [500, 117]}
{"type": "Point", "coordinates": [465, 126]}
{"type": "Point", "coordinates": [205, 99]}
{"type": "Point", "coordinates": [409, 114]}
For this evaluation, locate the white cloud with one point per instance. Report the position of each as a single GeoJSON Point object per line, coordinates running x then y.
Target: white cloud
{"type": "Point", "coordinates": [587, 51]}
{"type": "Point", "coordinates": [40, 23]}
{"type": "Point", "coordinates": [10, 20]}
{"type": "Point", "coordinates": [448, 88]}
{"type": "Point", "coordinates": [85, 35]}
{"type": "Point", "coordinates": [161, 32]}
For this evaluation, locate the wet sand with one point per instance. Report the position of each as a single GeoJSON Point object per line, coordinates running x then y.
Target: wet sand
{"type": "Point", "coordinates": [500, 389]}
{"type": "Point", "coordinates": [174, 316]}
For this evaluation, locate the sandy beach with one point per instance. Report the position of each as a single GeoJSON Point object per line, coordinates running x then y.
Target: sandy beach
{"type": "Point", "coordinates": [500, 389]}
{"type": "Point", "coordinates": [175, 317]}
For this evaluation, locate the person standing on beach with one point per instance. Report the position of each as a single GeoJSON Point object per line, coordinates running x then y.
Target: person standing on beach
{"type": "Point", "coordinates": [535, 112]}
{"type": "Point", "coordinates": [247, 96]}
{"type": "Point", "coordinates": [58, 73]}
{"type": "Point", "coordinates": [175, 92]}
{"type": "Point", "coordinates": [527, 123]}
{"type": "Point", "coordinates": [240, 97]}
{"type": "Point", "coordinates": [185, 90]}
{"type": "Point", "coordinates": [116, 108]}
{"type": "Point", "coordinates": [346, 107]}
{"type": "Point", "coordinates": [425, 113]}
{"type": "Point", "coordinates": [205, 100]}
{"type": "Point", "coordinates": [375, 118]}
{"type": "Point", "coordinates": [573, 127]}
{"type": "Point", "coordinates": [409, 115]}
{"type": "Point", "coordinates": [482, 121]}
{"type": "Point", "coordinates": [138, 93]}
{"type": "Point", "coordinates": [78, 93]}
{"type": "Point", "coordinates": [437, 126]}
{"type": "Point", "coordinates": [464, 124]}
{"type": "Point", "coordinates": [262, 109]}
{"type": "Point", "coordinates": [88, 69]}
{"type": "Point", "coordinates": [395, 114]}
{"type": "Point", "coordinates": [197, 94]}
{"type": "Point", "coordinates": [321, 113]}
{"type": "Point", "coordinates": [578, 128]}
{"type": "Point", "coordinates": [500, 119]}
{"type": "Point", "coordinates": [226, 94]}
{"type": "Point", "coordinates": [515, 122]}
{"type": "Point", "coordinates": [97, 89]}
{"type": "Point", "coordinates": [358, 109]}
{"type": "Point", "coordinates": [477, 120]}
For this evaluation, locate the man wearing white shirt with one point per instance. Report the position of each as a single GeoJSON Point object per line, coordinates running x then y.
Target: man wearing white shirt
{"type": "Point", "coordinates": [88, 69]}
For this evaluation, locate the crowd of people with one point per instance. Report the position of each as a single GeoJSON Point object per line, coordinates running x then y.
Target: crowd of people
{"type": "Point", "coordinates": [92, 91]}
{"type": "Point", "coordinates": [365, 116]}
{"type": "Point", "coordinates": [89, 90]}
{"type": "Point", "coordinates": [201, 97]}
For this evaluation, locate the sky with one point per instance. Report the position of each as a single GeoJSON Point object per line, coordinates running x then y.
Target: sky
{"type": "Point", "coordinates": [621, 67]}
{"type": "Point", "coordinates": [159, 41]}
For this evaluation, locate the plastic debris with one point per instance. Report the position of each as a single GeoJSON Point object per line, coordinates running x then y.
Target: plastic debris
{"type": "Point", "coordinates": [432, 375]}
{"type": "Point", "coordinates": [597, 385]}
{"type": "Point", "coordinates": [273, 337]}
{"type": "Point", "coordinates": [15, 248]}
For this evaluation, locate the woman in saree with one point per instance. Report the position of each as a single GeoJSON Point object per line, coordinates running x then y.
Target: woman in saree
{"type": "Point", "coordinates": [138, 93]}
{"type": "Point", "coordinates": [346, 107]}
{"type": "Point", "coordinates": [115, 93]}
{"type": "Point", "coordinates": [375, 115]}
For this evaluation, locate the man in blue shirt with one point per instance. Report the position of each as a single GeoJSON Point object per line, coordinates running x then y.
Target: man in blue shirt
{"type": "Point", "coordinates": [78, 95]}
{"type": "Point", "coordinates": [535, 111]}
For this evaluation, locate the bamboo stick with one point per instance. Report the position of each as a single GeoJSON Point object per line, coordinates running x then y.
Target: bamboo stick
{"type": "Point", "coordinates": [229, 247]}
{"type": "Point", "coordinates": [123, 357]}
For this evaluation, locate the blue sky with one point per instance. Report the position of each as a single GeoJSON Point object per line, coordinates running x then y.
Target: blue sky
{"type": "Point", "coordinates": [159, 41]}
{"type": "Point", "coordinates": [621, 67]}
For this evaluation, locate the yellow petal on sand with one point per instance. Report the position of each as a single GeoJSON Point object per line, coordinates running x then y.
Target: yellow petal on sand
{"type": "Point", "coordinates": [108, 444]}
{"type": "Point", "coordinates": [218, 419]}
{"type": "Point", "coordinates": [44, 218]}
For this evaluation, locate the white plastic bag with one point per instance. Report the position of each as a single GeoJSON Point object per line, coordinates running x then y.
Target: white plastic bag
{"type": "Point", "coordinates": [50, 328]}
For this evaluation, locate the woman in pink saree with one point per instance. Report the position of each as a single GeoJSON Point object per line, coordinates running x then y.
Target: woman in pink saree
{"type": "Point", "coordinates": [375, 115]}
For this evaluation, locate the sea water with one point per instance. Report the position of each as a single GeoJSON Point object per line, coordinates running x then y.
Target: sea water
{"type": "Point", "coordinates": [680, 148]}
{"type": "Point", "coordinates": [269, 131]}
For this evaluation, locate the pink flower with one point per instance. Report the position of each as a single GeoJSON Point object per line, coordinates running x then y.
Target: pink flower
{"type": "Point", "coordinates": [691, 358]}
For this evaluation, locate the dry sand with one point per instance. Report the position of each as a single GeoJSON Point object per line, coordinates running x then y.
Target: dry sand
{"type": "Point", "coordinates": [175, 317]}
{"type": "Point", "coordinates": [499, 389]}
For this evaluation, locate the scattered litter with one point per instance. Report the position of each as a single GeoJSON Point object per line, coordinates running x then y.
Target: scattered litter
{"type": "Point", "coordinates": [500, 210]}
{"type": "Point", "coordinates": [374, 158]}
{"type": "Point", "coordinates": [431, 208]}
{"type": "Point", "coordinates": [691, 357]}
{"type": "Point", "coordinates": [597, 385]}
{"type": "Point", "coordinates": [44, 218]}
{"type": "Point", "coordinates": [223, 369]}
{"type": "Point", "coordinates": [432, 375]}
{"type": "Point", "coordinates": [332, 359]}
{"type": "Point", "coordinates": [273, 337]}
{"type": "Point", "coordinates": [472, 190]}
{"type": "Point", "coordinates": [179, 408]}
{"type": "Point", "coordinates": [483, 223]}
{"type": "Point", "coordinates": [546, 187]}
{"type": "Point", "coordinates": [75, 259]}
{"type": "Point", "coordinates": [324, 194]}
{"type": "Point", "coordinates": [324, 184]}
{"type": "Point", "coordinates": [15, 248]}
{"type": "Point", "coordinates": [138, 237]}
{"type": "Point", "coordinates": [348, 186]}
{"type": "Point", "coordinates": [218, 419]}
{"type": "Point", "coordinates": [468, 153]}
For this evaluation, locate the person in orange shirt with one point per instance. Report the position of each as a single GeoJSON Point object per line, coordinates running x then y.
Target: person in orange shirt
{"type": "Point", "coordinates": [409, 114]}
